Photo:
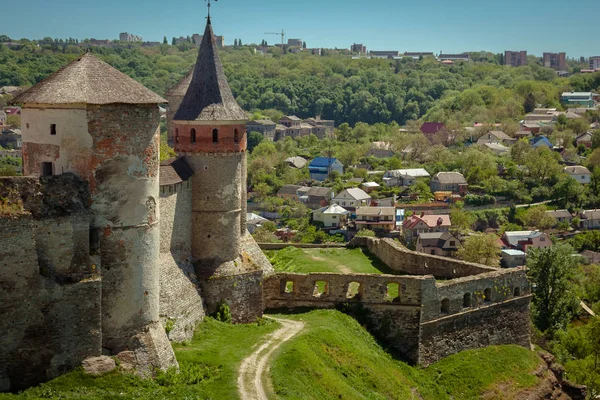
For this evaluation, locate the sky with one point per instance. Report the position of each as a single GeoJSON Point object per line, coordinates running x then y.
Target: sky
{"type": "Point", "coordinates": [435, 25]}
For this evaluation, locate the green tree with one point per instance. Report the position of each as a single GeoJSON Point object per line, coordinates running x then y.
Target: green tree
{"type": "Point", "coordinates": [165, 40]}
{"type": "Point", "coordinates": [254, 139]}
{"type": "Point", "coordinates": [482, 249]}
{"type": "Point", "coordinates": [593, 336]}
{"type": "Point", "coordinates": [550, 269]}
{"type": "Point", "coordinates": [529, 104]}
{"type": "Point", "coordinates": [536, 217]}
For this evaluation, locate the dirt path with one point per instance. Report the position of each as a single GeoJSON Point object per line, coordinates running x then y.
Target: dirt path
{"type": "Point", "coordinates": [253, 370]}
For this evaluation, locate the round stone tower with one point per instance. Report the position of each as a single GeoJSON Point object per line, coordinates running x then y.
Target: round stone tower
{"type": "Point", "coordinates": [92, 120]}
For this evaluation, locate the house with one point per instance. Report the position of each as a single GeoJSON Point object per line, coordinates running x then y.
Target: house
{"type": "Point", "coordinates": [523, 134]}
{"type": "Point", "coordinates": [560, 216]}
{"type": "Point", "coordinates": [540, 141]}
{"type": "Point", "coordinates": [263, 126]}
{"type": "Point", "coordinates": [590, 257]}
{"type": "Point", "coordinates": [380, 150]}
{"type": "Point", "coordinates": [453, 182]}
{"type": "Point", "coordinates": [437, 243]}
{"type": "Point", "coordinates": [496, 137]}
{"type": "Point", "coordinates": [352, 198]}
{"type": "Point", "coordinates": [404, 177]}
{"type": "Point", "coordinates": [254, 221]}
{"type": "Point", "coordinates": [524, 240]}
{"type": "Point", "coordinates": [415, 224]}
{"type": "Point", "coordinates": [369, 186]}
{"type": "Point", "coordinates": [585, 99]}
{"type": "Point", "coordinates": [320, 168]}
{"type": "Point", "coordinates": [321, 128]}
{"type": "Point", "coordinates": [317, 197]}
{"type": "Point", "coordinates": [376, 218]}
{"type": "Point", "coordinates": [579, 173]}
{"type": "Point", "coordinates": [296, 162]}
{"type": "Point", "coordinates": [435, 132]}
{"type": "Point", "coordinates": [332, 216]}
{"type": "Point", "coordinates": [290, 121]}
{"type": "Point", "coordinates": [497, 148]}
{"type": "Point", "coordinates": [532, 127]}
{"type": "Point", "coordinates": [11, 138]}
{"type": "Point", "coordinates": [510, 258]}
{"type": "Point", "coordinates": [368, 167]}
{"type": "Point", "coordinates": [292, 192]}
{"type": "Point", "coordinates": [590, 219]}
{"type": "Point", "coordinates": [2, 118]}
{"type": "Point", "coordinates": [585, 139]}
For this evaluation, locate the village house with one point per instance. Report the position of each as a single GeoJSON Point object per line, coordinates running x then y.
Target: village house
{"type": "Point", "coordinates": [585, 99]}
{"type": "Point", "coordinates": [320, 168]}
{"type": "Point", "coordinates": [404, 177]}
{"type": "Point", "coordinates": [292, 192]}
{"type": "Point", "coordinates": [540, 141]}
{"type": "Point", "coordinates": [415, 224]}
{"type": "Point", "coordinates": [380, 150]}
{"type": "Point", "coordinates": [510, 258]}
{"type": "Point", "coordinates": [579, 173]}
{"type": "Point", "coordinates": [2, 118]}
{"type": "Point", "coordinates": [560, 216]}
{"type": "Point", "coordinates": [437, 243]}
{"type": "Point", "coordinates": [352, 198]}
{"type": "Point", "coordinates": [263, 126]}
{"type": "Point", "coordinates": [496, 137]}
{"type": "Point", "coordinates": [453, 182]}
{"type": "Point", "coordinates": [296, 162]}
{"type": "Point", "coordinates": [369, 186]}
{"type": "Point", "coordinates": [322, 128]}
{"type": "Point", "coordinates": [376, 218]}
{"type": "Point", "coordinates": [11, 138]}
{"type": "Point", "coordinates": [317, 197]}
{"type": "Point", "coordinates": [254, 221]}
{"type": "Point", "coordinates": [584, 139]}
{"type": "Point", "coordinates": [524, 240]}
{"type": "Point", "coordinates": [332, 216]}
{"type": "Point", "coordinates": [590, 219]}
{"type": "Point", "coordinates": [497, 148]}
{"type": "Point", "coordinates": [435, 132]}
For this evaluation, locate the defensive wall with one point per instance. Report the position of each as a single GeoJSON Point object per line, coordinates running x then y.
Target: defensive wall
{"type": "Point", "coordinates": [423, 318]}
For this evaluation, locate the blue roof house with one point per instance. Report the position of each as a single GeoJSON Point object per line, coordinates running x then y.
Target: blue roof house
{"type": "Point", "coordinates": [321, 167]}
{"type": "Point", "coordinates": [540, 141]}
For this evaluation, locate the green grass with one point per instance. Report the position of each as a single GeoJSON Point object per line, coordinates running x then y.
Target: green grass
{"type": "Point", "coordinates": [335, 358]}
{"type": "Point", "coordinates": [356, 260]}
{"type": "Point", "coordinates": [209, 364]}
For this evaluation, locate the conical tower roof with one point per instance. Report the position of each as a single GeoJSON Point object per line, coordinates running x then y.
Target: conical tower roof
{"type": "Point", "coordinates": [89, 80]}
{"type": "Point", "coordinates": [181, 87]}
{"type": "Point", "coordinates": [209, 97]}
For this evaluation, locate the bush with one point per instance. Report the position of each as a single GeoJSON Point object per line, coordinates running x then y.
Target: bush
{"type": "Point", "coordinates": [188, 374]}
{"type": "Point", "coordinates": [479, 200]}
{"type": "Point", "coordinates": [224, 314]}
{"type": "Point", "coordinates": [365, 233]}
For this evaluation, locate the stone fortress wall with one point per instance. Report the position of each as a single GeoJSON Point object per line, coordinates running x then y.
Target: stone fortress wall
{"type": "Point", "coordinates": [475, 306]}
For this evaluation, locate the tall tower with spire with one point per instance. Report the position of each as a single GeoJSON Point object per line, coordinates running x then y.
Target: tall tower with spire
{"type": "Point", "coordinates": [210, 131]}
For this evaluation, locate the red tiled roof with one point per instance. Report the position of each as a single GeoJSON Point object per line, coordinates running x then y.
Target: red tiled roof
{"type": "Point", "coordinates": [432, 127]}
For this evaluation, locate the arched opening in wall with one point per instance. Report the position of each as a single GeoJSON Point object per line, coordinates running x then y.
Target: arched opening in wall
{"type": "Point", "coordinates": [487, 295]}
{"type": "Point", "coordinates": [193, 135]}
{"type": "Point", "coordinates": [321, 288]}
{"type": "Point", "coordinates": [445, 308]}
{"type": "Point", "coordinates": [287, 286]}
{"type": "Point", "coordinates": [236, 136]}
{"type": "Point", "coordinates": [517, 292]}
{"type": "Point", "coordinates": [392, 292]}
{"type": "Point", "coordinates": [353, 291]}
{"type": "Point", "coordinates": [467, 300]}
{"type": "Point", "coordinates": [215, 134]}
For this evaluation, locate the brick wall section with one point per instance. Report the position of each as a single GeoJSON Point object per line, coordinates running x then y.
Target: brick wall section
{"type": "Point", "coordinates": [49, 300]}
{"type": "Point", "coordinates": [400, 259]}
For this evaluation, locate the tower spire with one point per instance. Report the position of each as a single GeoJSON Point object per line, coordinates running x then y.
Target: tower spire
{"type": "Point", "coordinates": [208, 6]}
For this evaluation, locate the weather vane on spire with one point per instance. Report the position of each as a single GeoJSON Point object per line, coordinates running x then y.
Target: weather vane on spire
{"type": "Point", "coordinates": [208, 5]}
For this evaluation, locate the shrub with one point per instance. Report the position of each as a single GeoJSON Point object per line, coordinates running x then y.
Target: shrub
{"type": "Point", "coordinates": [224, 314]}
{"type": "Point", "coordinates": [365, 233]}
{"type": "Point", "coordinates": [188, 374]}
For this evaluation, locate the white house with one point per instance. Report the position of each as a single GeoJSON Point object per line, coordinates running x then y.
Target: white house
{"type": "Point", "coordinates": [590, 219]}
{"type": "Point", "coordinates": [353, 197]}
{"type": "Point", "coordinates": [512, 258]}
{"type": "Point", "coordinates": [332, 216]}
{"type": "Point", "coordinates": [579, 173]}
{"type": "Point", "coordinates": [254, 221]}
{"type": "Point", "coordinates": [404, 177]}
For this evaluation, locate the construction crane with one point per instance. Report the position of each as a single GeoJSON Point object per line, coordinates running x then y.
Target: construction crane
{"type": "Point", "coordinates": [282, 33]}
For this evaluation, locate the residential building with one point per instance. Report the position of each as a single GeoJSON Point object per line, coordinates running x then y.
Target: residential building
{"type": "Point", "coordinates": [511, 258]}
{"type": "Point", "coordinates": [560, 216]}
{"type": "Point", "coordinates": [317, 197]}
{"type": "Point", "coordinates": [352, 198]}
{"type": "Point", "coordinates": [454, 57]}
{"type": "Point", "coordinates": [380, 150]}
{"type": "Point", "coordinates": [435, 132]}
{"type": "Point", "coordinates": [404, 177]}
{"type": "Point", "coordinates": [320, 168]}
{"type": "Point", "coordinates": [496, 137]}
{"type": "Point", "coordinates": [292, 192]}
{"type": "Point", "coordinates": [540, 141]}
{"type": "Point", "coordinates": [358, 48]}
{"type": "Point", "coordinates": [128, 37]}
{"type": "Point", "coordinates": [369, 186]}
{"type": "Point", "coordinates": [532, 127]}
{"type": "Point", "coordinates": [453, 182]}
{"type": "Point", "coordinates": [590, 219]}
{"type": "Point", "coordinates": [418, 55]}
{"type": "Point", "coordinates": [590, 257]}
{"type": "Point", "coordinates": [515, 58]}
{"type": "Point", "coordinates": [524, 240]}
{"type": "Point", "coordinates": [585, 139]}
{"type": "Point", "coordinates": [385, 53]}
{"type": "Point", "coordinates": [295, 43]}
{"type": "Point", "coordinates": [497, 148]}
{"type": "Point", "coordinates": [415, 224]}
{"type": "Point", "coordinates": [2, 118]}
{"type": "Point", "coordinates": [263, 126]}
{"type": "Point", "coordinates": [579, 173]}
{"type": "Point", "coordinates": [585, 99]}
{"type": "Point", "coordinates": [595, 63]}
{"type": "Point", "coordinates": [254, 221]}
{"type": "Point", "coordinates": [441, 244]}
{"type": "Point", "coordinates": [376, 218]}
{"type": "Point", "coordinates": [556, 61]}
{"type": "Point", "coordinates": [321, 128]}
{"type": "Point", "coordinates": [332, 216]}
{"type": "Point", "coordinates": [11, 138]}
{"type": "Point", "coordinates": [296, 162]}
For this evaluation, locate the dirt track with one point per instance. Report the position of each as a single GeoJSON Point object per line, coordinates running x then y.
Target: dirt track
{"type": "Point", "coordinates": [252, 376]}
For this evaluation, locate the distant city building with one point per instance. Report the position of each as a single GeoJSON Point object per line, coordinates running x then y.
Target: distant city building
{"type": "Point", "coordinates": [417, 55]}
{"type": "Point", "coordinates": [385, 53]}
{"type": "Point", "coordinates": [358, 48]}
{"type": "Point", "coordinates": [197, 39]}
{"type": "Point", "coordinates": [556, 61]}
{"type": "Point", "coordinates": [595, 62]}
{"type": "Point", "coordinates": [97, 42]}
{"type": "Point", "coordinates": [515, 58]}
{"type": "Point", "coordinates": [129, 37]}
{"type": "Point", "coordinates": [295, 42]}
{"type": "Point", "coordinates": [585, 99]}
{"type": "Point", "coordinates": [453, 57]}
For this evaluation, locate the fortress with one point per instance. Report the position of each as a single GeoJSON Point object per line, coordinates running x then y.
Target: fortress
{"type": "Point", "coordinates": [105, 250]}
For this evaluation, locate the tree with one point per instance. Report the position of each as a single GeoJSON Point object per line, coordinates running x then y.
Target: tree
{"type": "Point", "coordinates": [482, 249]}
{"type": "Point", "coordinates": [529, 104]}
{"type": "Point", "coordinates": [461, 221]}
{"type": "Point", "coordinates": [235, 43]}
{"type": "Point", "coordinates": [254, 138]}
{"type": "Point", "coordinates": [165, 40]}
{"type": "Point", "coordinates": [593, 336]}
{"type": "Point", "coordinates": [550, 269]}
{"type": "Point", "coordinates": [240, 42]}
{"type": "Point", "coordinates": [304, 44]}
{"type": "Point", "coordinates": [173, 42]}
{"type": "Point", "coordinates": [536, 217]}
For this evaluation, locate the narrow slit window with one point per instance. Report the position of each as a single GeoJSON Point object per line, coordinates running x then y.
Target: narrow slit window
{"type": "Point", "coordinates": [236, 136]}
{"type": "Point", "coordinates": [53, 129]}
{"type": "Point", "coordinates": [215, 136]}
{"type": "Point", "coordinates": [47, 169]}
{"type": "Point", "coordinates": [193, 135]}
{"type": "Point", "coordinates": [176, 135]}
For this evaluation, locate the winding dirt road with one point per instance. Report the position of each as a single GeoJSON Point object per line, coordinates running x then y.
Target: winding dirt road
{"type": "Point", "coordinates": [252, 376]}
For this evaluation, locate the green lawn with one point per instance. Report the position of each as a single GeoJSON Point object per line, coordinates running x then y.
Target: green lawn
{"type": "Point", "coordinates": [343, 261]}
{"type": "Point", "coordinates": [335, 358]}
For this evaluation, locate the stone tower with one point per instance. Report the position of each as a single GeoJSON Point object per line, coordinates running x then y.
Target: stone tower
{"type": "Point", "coordinates": [210, 131]}
{"type": "Point", "coordinates": [92, 120]}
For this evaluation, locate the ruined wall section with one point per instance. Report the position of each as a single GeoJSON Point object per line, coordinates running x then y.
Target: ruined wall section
{"type": "Point", "coordinates": [400, 259]}
{"type": "Point", "coordinates": [181, 304]}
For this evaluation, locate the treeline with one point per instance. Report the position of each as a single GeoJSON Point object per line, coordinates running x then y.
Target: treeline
{"type": "Point", "coordinates": [333, 86]}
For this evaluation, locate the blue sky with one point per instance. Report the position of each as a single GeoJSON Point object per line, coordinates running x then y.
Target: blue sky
{"type": "Point", "coordinates": [434, 25]}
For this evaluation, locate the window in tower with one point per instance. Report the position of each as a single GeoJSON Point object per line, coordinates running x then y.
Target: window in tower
{"type": "Point", "coordinates": [176, 135]}
{"type": "Point", "coordinates": [215, 136]}
{"type": "Point", "coordinates": [236, 136]}
{"type": "Point", "coordinates": [193, 135]}
{"type": "Point", "coordinates": [53, 129]}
